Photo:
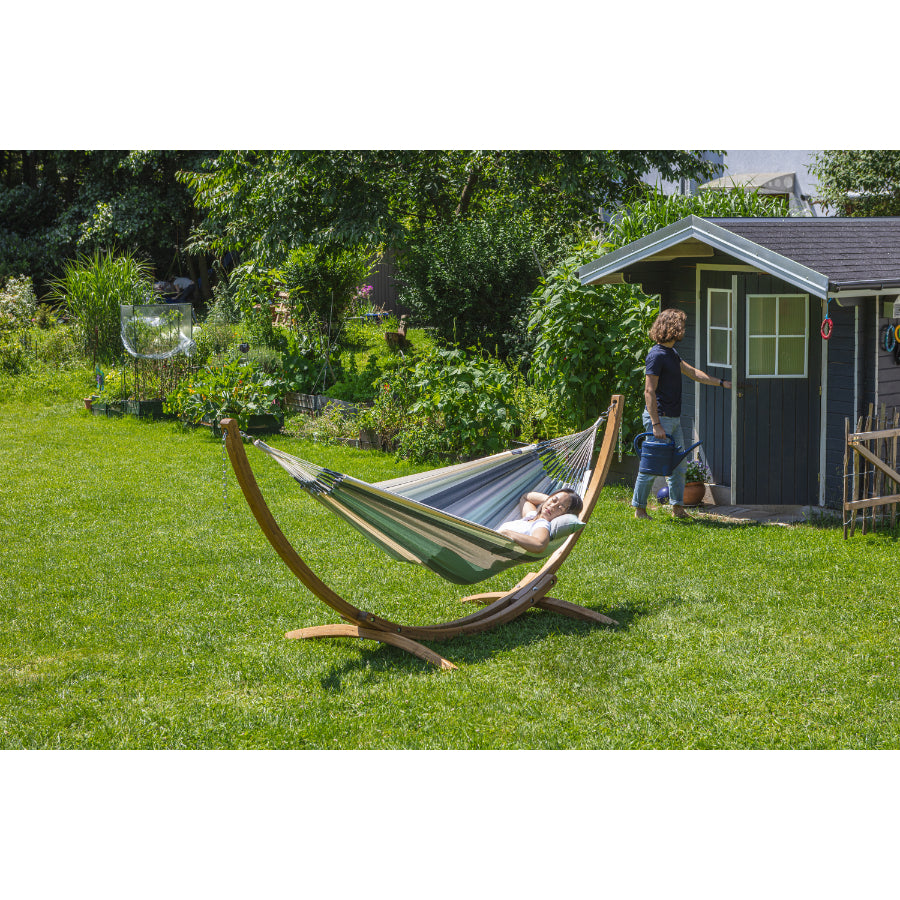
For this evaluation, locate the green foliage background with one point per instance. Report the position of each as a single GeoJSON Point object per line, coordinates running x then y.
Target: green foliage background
{"type": "Point", "coordinates": [859, 182]}
{"type": "Point", "coordinates": [471, 278]}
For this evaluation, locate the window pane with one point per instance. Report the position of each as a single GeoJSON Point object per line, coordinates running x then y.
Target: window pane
{"type": "Point", "coordinates": [791, 355]}
{"type": "Point", "coordinates": [792, 315]}
{"type": "Point", "coordinates": [719, 308]}
{"type": "Point", "coordinates": [762, 356]}
{"type": "Point", "coordinates": [718, 347]}
{"type": "Point", "coordinates": [762, 315]}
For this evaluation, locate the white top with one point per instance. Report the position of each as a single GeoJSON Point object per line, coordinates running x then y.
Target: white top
{"type": "Point", "coordinates": [528, 524]}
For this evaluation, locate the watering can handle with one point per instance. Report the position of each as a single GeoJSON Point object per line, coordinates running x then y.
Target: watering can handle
{"type": "Point", "coordinates": [639, 440]}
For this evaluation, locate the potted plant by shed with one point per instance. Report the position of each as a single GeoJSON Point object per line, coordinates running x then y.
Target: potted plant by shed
{"type": "Point", "coordinates": [696, 475]}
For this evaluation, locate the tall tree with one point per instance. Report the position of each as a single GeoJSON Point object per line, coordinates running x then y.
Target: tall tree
{"type": "Point", "coordinates": [859, 182]}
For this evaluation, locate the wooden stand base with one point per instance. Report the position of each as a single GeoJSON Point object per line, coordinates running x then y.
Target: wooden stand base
{"type": "Point", "coordinates": [367, 634]}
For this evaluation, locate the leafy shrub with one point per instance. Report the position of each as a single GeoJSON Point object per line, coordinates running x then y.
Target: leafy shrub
{"type": "Point", "coordinates": [45, 317]}
{"type": "Point", "coordinates": [217, 392]}
{"type": "Point", "coordinates": [539, 413]}
{"type": "Point", "coordinates": [355, 385]}
{"type": "Point", "coordinates": [57, 345]}
{"type": "Point", "coordinates": [225, 308]}
{"type": "Point", "coordinates": [323, 282]}
{"type": "Point", "coordinates": [424, 442]}
{"type": "Point", "coordinates": [471, 277]}
{"type": "Point", "coordinates": [18, 304]}
{"type": "Point", "coordinates": [301, 374]}
{"type": "Point", "coordinates": [591, 340]}
{"type": "Point", "coordinates": [470, 399]}
{"type": "Point", "coordinates": [390, 412]}
{"type": "Point", "coordinates": [93, 288]}
{"type": "Point", "coordinates": [214, 337]}
{"type": "Point", "coordinates": [13, 356]}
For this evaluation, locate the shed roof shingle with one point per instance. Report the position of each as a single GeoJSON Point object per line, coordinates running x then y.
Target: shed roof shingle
{"type": "Point", "coordinates": [823, 255]}
{"type": "Point", "coordinates": [848, 251]}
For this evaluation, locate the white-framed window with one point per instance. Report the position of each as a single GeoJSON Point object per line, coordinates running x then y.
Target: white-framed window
{"type": "Point", "coordinates": [718, 330]}
{"type": "Point", "coordinates": [777, 335]}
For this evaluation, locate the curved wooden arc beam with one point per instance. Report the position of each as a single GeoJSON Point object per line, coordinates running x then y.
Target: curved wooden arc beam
{"type": "Point", "coordinates": [501, 607]}
{"type": "Point", "coordinates": [396, 640]}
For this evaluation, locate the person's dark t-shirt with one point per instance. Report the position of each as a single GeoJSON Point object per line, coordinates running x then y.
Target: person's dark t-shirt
{"type": "Point", "coordinates": [665, 363]}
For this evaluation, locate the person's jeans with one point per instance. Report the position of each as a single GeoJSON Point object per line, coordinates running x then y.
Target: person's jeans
{"type": "Point", "coordinates": [644, 483]}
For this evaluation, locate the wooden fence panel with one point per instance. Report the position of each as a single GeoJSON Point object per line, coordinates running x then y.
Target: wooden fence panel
{"type": "Point", "coordinates": [871, 479]}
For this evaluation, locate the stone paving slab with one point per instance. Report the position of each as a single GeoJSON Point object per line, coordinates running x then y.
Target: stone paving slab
{"type": "Point", "coordinates": [769, 515]}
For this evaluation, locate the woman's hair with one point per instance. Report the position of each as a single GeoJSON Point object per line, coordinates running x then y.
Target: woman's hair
{"type": "Point", "coordinates": [575, 503]}
{"type": "Point", "coordinates": [669, 326]}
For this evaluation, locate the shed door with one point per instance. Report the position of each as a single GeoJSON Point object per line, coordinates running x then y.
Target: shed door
{"type": "Point", "coordinates": [778, 397]}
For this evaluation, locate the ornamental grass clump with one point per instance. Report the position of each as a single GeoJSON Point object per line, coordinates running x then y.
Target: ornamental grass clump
{"type": "Point", "coordinates": [93, 288]}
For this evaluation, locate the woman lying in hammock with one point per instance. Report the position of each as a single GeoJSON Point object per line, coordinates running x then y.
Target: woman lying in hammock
{"type": "Point", "coordinates": [542, 517]}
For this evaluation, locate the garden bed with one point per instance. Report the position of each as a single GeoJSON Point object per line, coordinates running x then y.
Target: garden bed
{"type": "Point", "coordinates": [314, 404]}
{"type": "Point", "coordinates": [266, 423]}
{"type": "Point", "coordinates": [144, 409]}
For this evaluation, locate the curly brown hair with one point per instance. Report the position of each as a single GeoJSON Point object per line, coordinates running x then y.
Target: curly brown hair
{"type": "Point", "coordinates": [669, 326]}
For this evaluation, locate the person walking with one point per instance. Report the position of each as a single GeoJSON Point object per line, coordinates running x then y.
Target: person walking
{"type": "Point", "coordinates": [662, 396]}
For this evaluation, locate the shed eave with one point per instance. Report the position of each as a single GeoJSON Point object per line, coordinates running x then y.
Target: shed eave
{"type": "Point", "coordinates": [874, 286]}
{"type": "Point", "coordinates": [715, 236]}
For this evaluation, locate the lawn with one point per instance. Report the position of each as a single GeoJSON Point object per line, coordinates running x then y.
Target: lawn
{"type": "Point", "coordinates": [141, 607]}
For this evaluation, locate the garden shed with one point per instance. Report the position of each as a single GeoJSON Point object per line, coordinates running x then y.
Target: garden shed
{"type": "Point", "coordinates": [756, 292]}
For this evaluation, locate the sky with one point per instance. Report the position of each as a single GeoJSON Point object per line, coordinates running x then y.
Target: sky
{"type": "Point", "coordinates": [410, 75]}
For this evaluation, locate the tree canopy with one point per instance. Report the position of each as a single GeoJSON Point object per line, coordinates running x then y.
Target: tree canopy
{"type": "Point", "coordinates": [859, 182]}
{"type": "Point", "coordinates": [265, 203]}
{"type": "Point", "coordinates": [55, 204]}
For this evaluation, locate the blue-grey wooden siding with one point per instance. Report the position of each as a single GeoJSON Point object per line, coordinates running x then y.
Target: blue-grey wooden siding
{"type": "Point", "coordinates": [843, 377]}
{"type": "Point", "coordinates": [888, 370]}
{"type": "Point", "coordinates": [385, 283]}
{"type": "Point", "coordinates": [715, 403]}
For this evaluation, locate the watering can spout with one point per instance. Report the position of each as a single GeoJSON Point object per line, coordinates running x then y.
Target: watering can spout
{"type": "Point", "coordinates": [678, 457]}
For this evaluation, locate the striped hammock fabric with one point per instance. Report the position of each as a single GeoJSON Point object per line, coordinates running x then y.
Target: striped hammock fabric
{"type": "Point", "coordinates": [445, 519]}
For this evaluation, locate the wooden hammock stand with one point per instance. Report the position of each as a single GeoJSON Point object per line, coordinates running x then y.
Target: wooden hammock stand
{"type": "Point", "coordinates": [499, 607]}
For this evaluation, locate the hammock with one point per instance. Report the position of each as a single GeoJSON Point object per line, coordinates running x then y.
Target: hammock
{"type": "Point", "coordinates": [499, 607]}
{"type": "Point", "coordinates": [445, 519]}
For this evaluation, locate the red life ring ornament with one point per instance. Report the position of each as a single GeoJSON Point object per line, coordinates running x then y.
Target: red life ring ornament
{"type": "Point", "coordinates": [827, 327]}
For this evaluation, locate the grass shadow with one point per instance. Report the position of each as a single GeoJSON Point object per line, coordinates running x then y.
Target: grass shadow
{"type": "Point", "coordinates": [531, 628]}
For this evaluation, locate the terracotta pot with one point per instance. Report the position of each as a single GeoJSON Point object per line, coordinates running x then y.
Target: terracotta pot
{"type": "Point", "coordinates": [693, 493]}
